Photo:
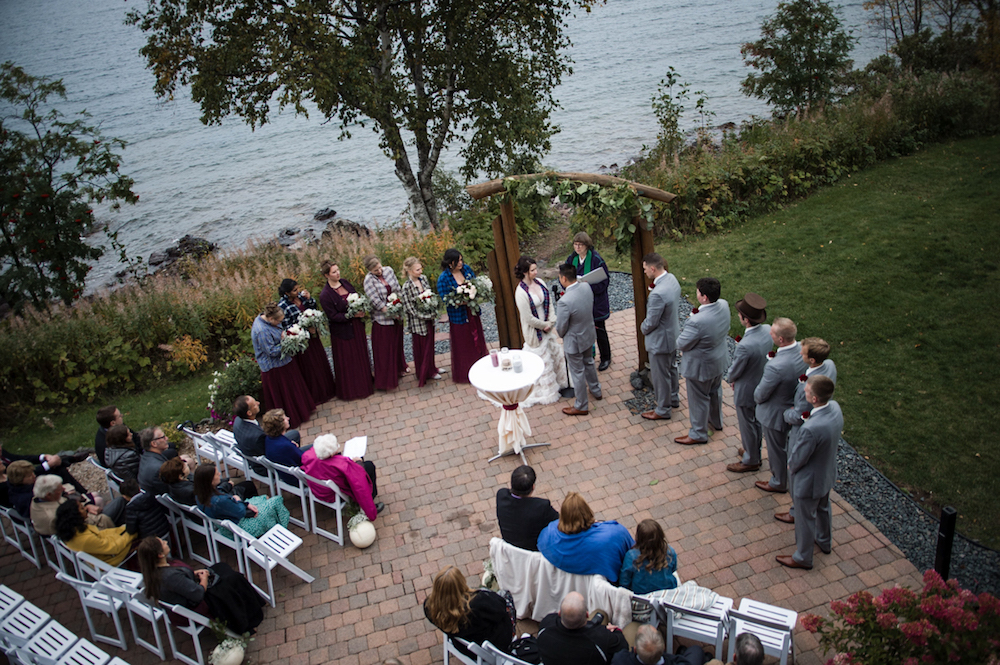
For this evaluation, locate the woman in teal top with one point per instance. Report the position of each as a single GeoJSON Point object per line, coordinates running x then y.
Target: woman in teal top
{"type": "Point", "coordinates": [651, 564]}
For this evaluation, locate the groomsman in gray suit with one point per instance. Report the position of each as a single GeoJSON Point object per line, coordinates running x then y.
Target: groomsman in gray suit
{"type": "Point", "coordinates": [744, 375]}
{"type": "Point", "coordinates": [774, 395]}
{"type": "Point", "coordinates": [815, 353]}
{"type": "Point", "coordinates": [575, 324]}
{"type": "Point", "coordinates": [813, 464]}
{"type": "Point", "coordinates": [703, 343]}
{"type": "Point", "coordinates": [661, 327]}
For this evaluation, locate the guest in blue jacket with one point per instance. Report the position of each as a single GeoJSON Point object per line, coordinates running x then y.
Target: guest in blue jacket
{"type": "Point", "coordinates": [651, 564]}
{"type": "Point", "coordinates": [278, 447]}
{"type": "Point", "coordinates": [577, 544]}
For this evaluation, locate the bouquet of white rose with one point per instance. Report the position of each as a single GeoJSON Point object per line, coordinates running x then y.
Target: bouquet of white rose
{"type": "Point", "coordinates": [293, 341]}
{"type": "Point", "coordinates": [313, 318]}
{"type": "Point", "coordinates": [394, 307]}
{"type": "Point", "coordinates": [358, 303]}
{"type": "Point", "coordinates": [428, 305]}
{"type": "Point", "coordinates": [472, 294]}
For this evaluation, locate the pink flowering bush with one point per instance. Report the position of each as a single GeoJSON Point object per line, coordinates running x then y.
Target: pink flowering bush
{"type": "Point", "coordinates": [941, 624]}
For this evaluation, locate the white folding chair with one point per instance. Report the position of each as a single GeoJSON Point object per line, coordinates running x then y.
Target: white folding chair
{"type": "Point", "coordinates": [196, 623]}
{"type": "Point", "coordinates": [20, 625]}
{"type": "Point", "coordinates": [193, 521]}
{"type": "Point", "coordinates": [231, 456]}
{"type": "Point", "coordinates": [296, 486]}
{"type": "Point", "coordinates": [94, 596]}
{"type": "Point", "coordinates": [501, 658]}
{"type": "Point", "coordinates": [84, 653]}
{"type": "Point", "coordinates": [224, 536]}
{"type": "Point", "coordinates": [337, 505]}
{"type": "Point", "coordinates": [21, 535]}
{"type": "Point", "coordinates": [708, 626]}
{"type": "Point", "coordinates": [138, 606]}
{"type": "Point", "coordinates": [269, 551]}
{"type": "Point", "coordinates": [267, 478]}
{"type": "Point", "coordinates": [9, 599]}
{"type": "Point", "coordinates": [451, 651]}
{"type": "Point", "coordinates": [48, 645]}
{"type": "Point", "coordinates": [772, 625]}
{"type": "Point", "coordinates": [65, 558]}
{"type": "Point", "coordinates": [113, 480]}
{"type": "Point", "coordinates": [205, 448]}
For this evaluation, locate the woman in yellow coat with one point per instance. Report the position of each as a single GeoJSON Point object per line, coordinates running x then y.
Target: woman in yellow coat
{"type": "Point", "coordinates": [108, 545]}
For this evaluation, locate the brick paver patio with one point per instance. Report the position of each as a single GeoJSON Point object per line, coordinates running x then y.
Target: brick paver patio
{"type": "Point", "coordinates": [431, 445]}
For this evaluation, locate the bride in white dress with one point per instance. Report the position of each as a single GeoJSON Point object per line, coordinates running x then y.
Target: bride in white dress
{"type": "Point", "coordinates": [537, 312]}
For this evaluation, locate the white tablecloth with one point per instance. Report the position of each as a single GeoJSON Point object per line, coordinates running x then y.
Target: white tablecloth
{"type": "Point", "coordinates": [508, 389]}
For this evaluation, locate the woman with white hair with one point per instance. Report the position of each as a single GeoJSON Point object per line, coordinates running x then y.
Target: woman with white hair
{"type": "Point", "coordinates": [49, 491]}
{"type": "Point", "coordinates": [355, 478]}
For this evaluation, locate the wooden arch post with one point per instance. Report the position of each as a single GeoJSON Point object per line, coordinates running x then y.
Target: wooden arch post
{"type": "Point", "coordinates": [506, 252]}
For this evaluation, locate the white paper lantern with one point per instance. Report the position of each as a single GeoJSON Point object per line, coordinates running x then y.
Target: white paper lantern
{"type": "Point", "coordinates": [363, 534]}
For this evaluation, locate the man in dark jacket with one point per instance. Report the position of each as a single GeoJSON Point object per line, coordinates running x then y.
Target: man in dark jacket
{"type": "Point", "coordinates": [522, 516]}
{"type": "Point", "coordinates": [649, 648]}
{"type": "Point", "coordinates": [154, 445]}
{"type": "Point", "coordinates": [567, 638]}
{"type": "Point", "coordinates": [143, 513]}
{"type": "Point", "coordinates": [248, 433]}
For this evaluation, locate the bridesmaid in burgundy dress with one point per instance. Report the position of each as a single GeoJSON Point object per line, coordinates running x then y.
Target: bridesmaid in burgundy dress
{"type": "Point", "coordinates": [387, 333]}
{"type": "Point", "coordinates": [348, 343]}
{"type": "Point", "coordinates": [281, 380]}
{"type": "Point", "coordinates": [467, 341]}
{"type": "Point", "coordinates": [312, 362]}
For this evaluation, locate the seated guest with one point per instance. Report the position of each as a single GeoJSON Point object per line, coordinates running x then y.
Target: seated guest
{"type": "Point", "coordinates": [749, 651]}
{"type": "Point", "coordinates": [143, 513]}
{"type": "Point", "coordinates": [248, 434]}
{"type": "Point", "coordinates": [4, 487]}
{"type": "Point", "coordinates": [49, 495]}
{"type": "Point", "coordinates": [255, 516]}
{"type": "Point", "coordinates": [107, 417]}
{"type": "Point", "coordinates": [154, 446]}
{"type": "Point", "coordinates": [176, 473]}
{"type": "Point", "coordinates": [579, 545]}
{"type": "Point", "coordinates": [649, 648]}
{"type": "Point", "coordinates": [354, 477]}
{"type": "Point", "coordinates": [474, 616]}
{"type": "Point", "coordinates": [108, 545]}
{"type": "Point", "coordinates": [650, 565]}
{"type": "Point", "coordinates": [218, 593]}
{"type": "Point", "coordinates": [47, 464]}
{"type": "Point", "coordinates": [278, 447]}
{"type": "Point", "coordinates": [120, 456]}
{"type": "Point", "coordinates": [20, 482]}
{"type": "Point", "coordinates": [522, 516]}
{"type": "Point", "coordinates": [567, 638]}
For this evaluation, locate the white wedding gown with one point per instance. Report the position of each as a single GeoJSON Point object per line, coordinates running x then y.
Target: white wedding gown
{"type": "Point", "coordinates": [553, 377]}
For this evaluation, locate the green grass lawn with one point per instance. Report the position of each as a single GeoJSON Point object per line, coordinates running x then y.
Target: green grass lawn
{"type": "Point", "coordinates": [896, 268]}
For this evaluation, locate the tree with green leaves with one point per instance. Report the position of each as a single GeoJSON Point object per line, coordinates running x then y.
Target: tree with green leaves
{"type": "Point", "coordinates": [801, 58]}
{"type": "Point", "coordinates": [423, 73]}
{"type": "Point", "coordinates": [52, 171]}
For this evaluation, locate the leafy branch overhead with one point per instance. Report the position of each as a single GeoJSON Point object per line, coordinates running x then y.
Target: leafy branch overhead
{"type": "Point", "coordinates": [424, 74]}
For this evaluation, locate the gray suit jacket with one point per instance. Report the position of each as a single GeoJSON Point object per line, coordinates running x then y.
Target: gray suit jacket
{"type": "Point", "coordinates": [776, 391]}
{"type": "Point", "coordinates": [813, 463]}
{"type": "Point", "coordinates": [663, 324]}
{"type": "Point", "coordinates": [793, 415]}
{"type": "Point", "coordinates": [703, 342]}
{"type": "Point", "coordinates": [748, 364]}
{"type": "Point", "coordinates": [575, 318]}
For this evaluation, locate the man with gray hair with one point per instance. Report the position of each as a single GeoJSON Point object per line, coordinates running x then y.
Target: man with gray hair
{"type": "Point", "coordinates": [749, 651]}
{"type": "Point", "coordinates": [48, 496]}
{"type": "Point", "coordinates": [649, 648]}
{"type": "Point", "coordinates": [567, 638]}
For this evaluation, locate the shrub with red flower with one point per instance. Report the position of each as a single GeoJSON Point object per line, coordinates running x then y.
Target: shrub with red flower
{"type": "Point", "coordinates": [943, 623]}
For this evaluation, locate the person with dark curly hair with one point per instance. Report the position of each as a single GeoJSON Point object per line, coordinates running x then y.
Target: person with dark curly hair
{"type": "Point", "coordinates": [466, 332]}
{"type": "Point", "coordinates": [537, 312]}
{"type": "Point", "coordinates": [651, 564]}
{"type": "Point", "coordinates": [108, 545]}
{"type": "Point", "coordinates": [313, 363]}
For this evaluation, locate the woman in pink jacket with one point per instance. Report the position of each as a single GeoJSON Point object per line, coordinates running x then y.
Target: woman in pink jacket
{"type": "Point", "coordinates": [355, 478]}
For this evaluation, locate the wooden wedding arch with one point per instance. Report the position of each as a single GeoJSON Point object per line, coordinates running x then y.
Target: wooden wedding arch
{"type": "Point", "coordinates": [506, 252]}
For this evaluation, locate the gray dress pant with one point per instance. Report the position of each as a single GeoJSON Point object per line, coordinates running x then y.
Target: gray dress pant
{"type": "Point", "coordinates": [750, 433]}
{"type": "Point", "coordinates": [792, 437]}
{"type": "Point", "coordinates": [777, 457]}
{"type": "Point", "coordinates": [813, 526]}
{"type": "Point", "coordinates": [583, 375]}
{"type": "Point", "coordinates": [666, 381]}
{"type": "Point", "coordinates": [704, 406]}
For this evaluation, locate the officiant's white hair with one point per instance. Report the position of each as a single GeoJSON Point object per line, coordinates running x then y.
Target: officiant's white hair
{"type": "Point", "coordinates": [326, 445]}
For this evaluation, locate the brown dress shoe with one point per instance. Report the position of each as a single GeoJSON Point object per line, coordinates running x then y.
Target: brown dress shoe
{"type": "Point", "coordinates": [688, 441]}
{"type": "Point", "coordinates": [653, 415]}
{"type": "Point", "coordinates": [740, 467]}
{"type": "Point", "coordinates": [784, 517]}
{"type": "Point", "coordinates": [766, 486]}
{"type": "Point", "coordinates": [573, 411]}
{"type": "Point", "coordinates": [597, 397]}
{"type": "Point", "coordinates": [790, 562]}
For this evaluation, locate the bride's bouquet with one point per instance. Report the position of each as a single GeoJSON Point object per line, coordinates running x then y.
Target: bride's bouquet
{"type": "Point", "coordinates": [472, 294]}
{"type": "Point", "coordinates": [394, 307]}
{"type": "Point", "coordinates": [428, 305]}
{"type": "Point", "coordinates": [313, 318]}
{"type": "Point", "coordinates": [295, 340]}
{"type": "Point", "coordinates": [358, 303]}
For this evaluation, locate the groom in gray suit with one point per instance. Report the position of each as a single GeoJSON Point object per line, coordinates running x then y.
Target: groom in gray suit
{"type": "Point", "coordinates": [774, 394]}
{"type": "Point", "coordinates": [813, 464]}
{"type": "Point", "coordinates": [703, 342]}
{"type": "Point", "coordinates": [661, 327]}
{"type": "Point", "coordinates": [744, 375]}
{"type": "Point", "coordinates": [575, 324]}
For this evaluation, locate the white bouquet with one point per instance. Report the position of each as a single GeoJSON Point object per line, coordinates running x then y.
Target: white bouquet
{"type": "Point", "coordinates": [313, 318]}
{"type": "Point", "coordinates": [394, 306]}
{"type": "Point", "coordinates": [358, 303]}
{"type": "Point", "coordinates": [428, 305]}
{"type": "Point", "coordinates": [472, 294]}
{"type": "Point", "coordinates": [293, 341]}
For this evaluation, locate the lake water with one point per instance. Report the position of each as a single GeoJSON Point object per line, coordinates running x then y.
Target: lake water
{"type": "Point", "coordinates": [227, 183]}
